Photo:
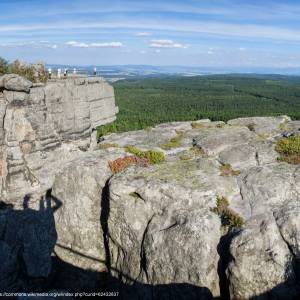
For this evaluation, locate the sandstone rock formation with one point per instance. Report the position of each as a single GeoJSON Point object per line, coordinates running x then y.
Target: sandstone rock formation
{"type": "Point", "coordinates": [156, 225]}
{"type": "Point", "coordinates": [219, 217]}
{"type": "Point", "coordinates": [42, 126]}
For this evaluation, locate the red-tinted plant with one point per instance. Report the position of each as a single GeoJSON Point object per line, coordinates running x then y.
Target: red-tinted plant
{"type": "Point", "coordinates": [123, 163]}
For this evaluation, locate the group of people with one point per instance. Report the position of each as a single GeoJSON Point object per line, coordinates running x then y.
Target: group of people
{"type": "Point", "coordinates": [65, 73]}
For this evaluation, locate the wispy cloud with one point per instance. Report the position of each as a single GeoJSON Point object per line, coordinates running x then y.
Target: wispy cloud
{"type": "Point", "coordinates": [94, 45]}
{"type": "Point", "coordinates": [143, 34]}
{"type": "Point", "coordinates": [166, 44]}
{"type": "Point", "coordinates": [231, 32]}
{"type": "Point", "coordinates": [225, 29]}
{"type": "Point", "coordinates": [33, 44]}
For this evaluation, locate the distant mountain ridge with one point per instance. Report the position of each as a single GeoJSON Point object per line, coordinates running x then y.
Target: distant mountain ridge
{"type": "Point", "coordinates": [127, 71]}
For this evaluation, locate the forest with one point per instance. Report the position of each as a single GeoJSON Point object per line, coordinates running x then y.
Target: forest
{"type": "Point", "coordinates": [146, 102]}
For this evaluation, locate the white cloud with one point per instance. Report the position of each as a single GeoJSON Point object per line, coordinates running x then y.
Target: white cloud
{"type": "Point", "coordinates": [157, 51]}
{"type": "Point", "coordinates": [107, 45]}
{"type": "Point", "coordinates": [33, 44]}
{"type": "Point", "coordinates": [94, 45]}
{"type": "Point", "coordinates": [212, 28]}
{"type": "Point", "coordinates": [166, 44]}
{"type": "Point", "coordinates": [77, 44]}
{"type": "Point", "coordinates": [143, 34]}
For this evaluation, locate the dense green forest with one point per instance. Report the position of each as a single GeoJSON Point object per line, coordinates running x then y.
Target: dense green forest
{"type": "Point", "coordinates": [145, 102]}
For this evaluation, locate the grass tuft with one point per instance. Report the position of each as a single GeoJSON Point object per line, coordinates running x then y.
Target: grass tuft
{"type": "Point", "coordinates": [154, 157]}
{"type": "Point", "coordinates": [229, 218]}
{"type": "Point", "coordinates": [174, 142]}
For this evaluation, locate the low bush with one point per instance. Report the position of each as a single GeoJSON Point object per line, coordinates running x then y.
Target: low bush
{"type": "Point", "coordinates": [152, 156]}
{"type": "Point", "coordinates": [3, 66]}
{"type": "Point", "coordinates": [229, 218]}
{"type": "Point", "coordinates": [34, 73]}
{"type": "Point", "coordinates": [289, 149]}
{"type": "Point", "coordinates": [123, 163]}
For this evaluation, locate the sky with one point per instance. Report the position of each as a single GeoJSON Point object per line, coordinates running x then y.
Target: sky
{"type": "Point", "coordinates": [208, 33]}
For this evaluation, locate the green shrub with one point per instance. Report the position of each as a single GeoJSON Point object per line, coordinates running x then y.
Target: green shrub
{"type": "Point", "coordinates": [23, 70]}
{"type": "Point", "coordinates": [173, 143]}
{"type": "Point", "coordinates": [3, 66]}
{"type": "Point", "coordinates": [289, 149]}
{"type": "Point", "coordinates": [152, 156]}
{"type": "Point", "coordinates": [34, 73]}
{"type": "Point", "coordinates": [229, 218]}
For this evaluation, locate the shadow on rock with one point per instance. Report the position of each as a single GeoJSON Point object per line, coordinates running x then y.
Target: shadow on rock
{"type": "Point", "coordinates": [27, 239]}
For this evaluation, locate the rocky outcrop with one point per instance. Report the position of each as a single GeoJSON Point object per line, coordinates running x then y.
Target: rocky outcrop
{"type": "Point", "coordinates": [219, 217]}
{"type": "Point", "coordinates": [43, 126]}
{"type": "Point", "coordinates": [157, 225]}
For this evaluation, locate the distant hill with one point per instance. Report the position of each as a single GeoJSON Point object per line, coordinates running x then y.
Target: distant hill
{"type": "Point", "coordinates": [113, 73]}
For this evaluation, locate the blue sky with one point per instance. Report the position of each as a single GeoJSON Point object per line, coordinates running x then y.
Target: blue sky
{"type": "Point", "coordinates": [214, 33]}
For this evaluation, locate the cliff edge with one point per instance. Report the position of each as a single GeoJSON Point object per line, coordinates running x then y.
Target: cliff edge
{"type": "Point", "coordinates": [43, 126]}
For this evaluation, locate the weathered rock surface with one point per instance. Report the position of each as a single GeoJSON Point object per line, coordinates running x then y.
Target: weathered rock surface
{"type": "Point", "coordinates": [261, 261]}
{"type": "Point", "coordinates": [159, 226]}
{"type": "Point", "coordinates": [13, 82]}
{"type": "Point", "coordinates": [80, 228]}
{"type": "Point", "coordinates": [44, 126]}
{"type": "Point", "coordinates": [153, 228]}
{"type": "Point", "coordinates": [155, 224]}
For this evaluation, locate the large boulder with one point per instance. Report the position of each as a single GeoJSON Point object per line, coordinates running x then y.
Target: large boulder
{"type": "Point", "coordinates": [80, 187]}
{"type": "Point", "coordinates": [14, 82]}
{"type": "Point", "coordinates": [288, 221]}
{"type": "Point", "coordinates": [261, 264]}
{"type": "Point", "coordinates": [160, 225]}
{"type": "Point", "coordinates": [264, 126]}
{"type": "Point", "coordinates": [265, 188]}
